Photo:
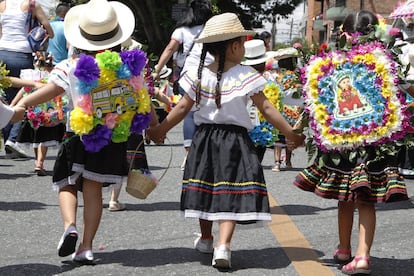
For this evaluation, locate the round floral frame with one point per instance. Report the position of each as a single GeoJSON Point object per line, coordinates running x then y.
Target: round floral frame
{"type": "Point", "coordinates": [352, 98]}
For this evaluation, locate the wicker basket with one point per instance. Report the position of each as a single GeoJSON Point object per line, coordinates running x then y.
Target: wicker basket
{"type": "Point", "coordinates": [139, 185]}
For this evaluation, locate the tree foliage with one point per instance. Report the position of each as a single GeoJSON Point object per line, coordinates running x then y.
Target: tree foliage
{"type": "Point", "coordinates": [154, 23]}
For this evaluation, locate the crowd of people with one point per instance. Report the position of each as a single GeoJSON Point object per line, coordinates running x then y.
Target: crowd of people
{"type": "Point", "coordinates": [237, 98]}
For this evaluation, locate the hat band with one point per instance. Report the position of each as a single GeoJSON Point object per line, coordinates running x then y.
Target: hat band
{"type": "Point", "coordinates": [99, 37]}
{"type": "Point", "coordinates": [256, 57]}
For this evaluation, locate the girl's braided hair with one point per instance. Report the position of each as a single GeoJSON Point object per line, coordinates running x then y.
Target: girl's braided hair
{"type": "Point", "coordinates": [217, 49]}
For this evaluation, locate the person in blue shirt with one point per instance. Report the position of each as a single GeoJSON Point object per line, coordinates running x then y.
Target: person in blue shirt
{"type": "Point", "coordinates": [58, 45]}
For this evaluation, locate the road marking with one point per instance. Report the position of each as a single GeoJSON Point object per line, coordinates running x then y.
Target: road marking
{"type": "Point", "coordinates": [306, 261]}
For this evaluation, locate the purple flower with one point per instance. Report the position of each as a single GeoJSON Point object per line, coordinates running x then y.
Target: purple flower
{"type": "Point", "coordinates": [140, 122]}
{"type": "Point", "coordinates": [86, 69]}
{"type": "Point", "coordinates": [135, 59]}
{"type": "Point", "coordinates": [97, 139]}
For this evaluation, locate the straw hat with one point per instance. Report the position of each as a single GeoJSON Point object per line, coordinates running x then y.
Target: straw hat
{"type": "Point", "coordinates": [222, 27]}
{"type": "Point", "coordinates": [98, 25]}
{"type": "Point", "coordinates": [256, 52]}
{"type": "Point", "coordinates": [286, 53]}
{"type": "Point", "coordinates": [165, 72]}
{"type": "Point", "coordinates": [131, 44]}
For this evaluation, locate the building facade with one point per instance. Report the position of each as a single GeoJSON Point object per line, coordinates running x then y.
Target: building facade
{"type": "Point", "coordinates": [325, 16]}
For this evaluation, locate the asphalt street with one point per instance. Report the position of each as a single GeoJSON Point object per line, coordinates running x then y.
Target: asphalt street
{"type": "Point", "coordinates": [152, 238]}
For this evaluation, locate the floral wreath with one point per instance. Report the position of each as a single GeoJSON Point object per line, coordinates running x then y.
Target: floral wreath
{"type": "Point", "coordinates": [46, 114]}
{"type": "Point", "coordinates": [372, 113]}
{"type": "Point", "coordinates": [111, 98]}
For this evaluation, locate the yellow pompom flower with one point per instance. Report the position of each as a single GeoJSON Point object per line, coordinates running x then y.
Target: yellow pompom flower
{"type": "Point", "coordinates": [144, 101]}
{"type": "Point", "coordinates": [80, 122]}
{"type": "Point", "coordinates": [107, 76]}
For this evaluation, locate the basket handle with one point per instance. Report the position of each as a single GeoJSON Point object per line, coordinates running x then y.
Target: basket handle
{"type": "Point", "coordinates": [135, 152]}
{"type": "Point", "coordinates": [169, 161]}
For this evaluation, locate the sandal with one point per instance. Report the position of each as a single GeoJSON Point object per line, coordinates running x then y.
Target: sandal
{"type": "Point", "coordinates": [288, 165]}
{"type": "Point", "coordinates": [39, 169]}
{"type": "Point", "coordinates": [352, 267]}
{"type": "Point", "coordinates": [345, 252]}
{"type": "Point", "coordinates": [276, 168]}
{"type": "Point", "coordinates": [115, 206]}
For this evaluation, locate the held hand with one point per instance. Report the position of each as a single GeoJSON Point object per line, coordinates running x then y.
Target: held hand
{"type": "Point", "coordinates": [155, 134]}
{"type": "Point", "coordinates": [155, 76]}
{"type": "Point", "coordinates": [19, 113]}
{"type": "Point", "coordinates": [298, 141]}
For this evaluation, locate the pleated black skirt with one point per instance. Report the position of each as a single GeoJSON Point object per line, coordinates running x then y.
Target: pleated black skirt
{"type": "Point", "coordinates": [223, 178]}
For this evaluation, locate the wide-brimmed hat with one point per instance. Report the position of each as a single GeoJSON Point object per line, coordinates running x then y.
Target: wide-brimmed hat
{"type": "Point", "coordinates": [222, 27]}
{"type": "Point", "coordinates": [98, 25]}
{"type": "Point", "coordinates": [164, 72]}
{"type": "Point", "coordinates": [131, 44]}
{"type": "Point", "coordinates": [256, 52]}
{"type": "Point", "coordinates": [286, 53]}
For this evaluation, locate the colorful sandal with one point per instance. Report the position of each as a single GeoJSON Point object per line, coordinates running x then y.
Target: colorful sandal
{"type": "Point", "coordinates": [342, 252]}
{"type": "Point", "coordinates": [352, 269]}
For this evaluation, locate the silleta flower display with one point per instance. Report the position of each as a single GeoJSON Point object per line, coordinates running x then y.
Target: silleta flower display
{"type": "Point", "coordinates": [264, 134]}
{"type": "Point", "coordinates": [111, 99]}
{"type": "Point", "coordinates": [352, 98]}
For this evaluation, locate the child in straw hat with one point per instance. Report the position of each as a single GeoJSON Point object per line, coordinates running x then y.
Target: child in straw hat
{"type": "Point", "coordinates": [223, 180]}
{"type": "Point", "coordinates": [94, 151]}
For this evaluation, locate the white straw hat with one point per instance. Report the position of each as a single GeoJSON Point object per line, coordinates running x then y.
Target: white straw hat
{"type": "Point", "coordinates": [256, 52]}
{"type": "Point", "coordinates": [222, 27]}
{"type": "Point", "coordinates": [98, 25]}
{"type": "Point", "coordinates": [286, 53]}
{"type": "Point", "coordinates": [131, 44]}
{"type": "Point", "coordinates": [164, 72]}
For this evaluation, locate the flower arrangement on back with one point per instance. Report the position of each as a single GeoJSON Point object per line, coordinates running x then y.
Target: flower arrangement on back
{"type": "Point", "coordinates": [356, 114]}
{"type": "Point", "coordinates": [108, 101]}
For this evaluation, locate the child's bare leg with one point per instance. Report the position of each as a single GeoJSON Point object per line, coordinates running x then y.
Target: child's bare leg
{"type": "Point", "coordinates": [345, 222]}
{"type": "Point", "coordinates": [367, 221]}
{"type": "Point", "coordinates": [206, 227]}
{"type": "Point", "coordinates": [92, 212]}
{"type": "Point", "coordinates": [226, 229]}
{"type": "Point", "coordinates": [68, 203]}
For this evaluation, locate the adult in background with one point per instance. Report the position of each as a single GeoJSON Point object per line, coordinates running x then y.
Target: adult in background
{"type": "Point", "coordinates": [187, 54]}
{"type": "Point", "coordinates": [16, 53]}
{"type": "Point", "coordinates": [58, 45]}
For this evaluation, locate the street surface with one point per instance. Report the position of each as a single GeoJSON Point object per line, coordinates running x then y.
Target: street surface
{"type": "Point", "coordinates": [152, 238]}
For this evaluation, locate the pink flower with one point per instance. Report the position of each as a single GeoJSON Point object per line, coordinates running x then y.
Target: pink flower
{"type": "Point", "coordinates": [136, 82]}
{"type": "Point", "coordinates": [297, 45]}
{"type": "Point", "coordinates": [111, 120]}
{"type": "Point", "coordinates": [394, 32]}
{"type": "Point", "coordinates": [85, 103]}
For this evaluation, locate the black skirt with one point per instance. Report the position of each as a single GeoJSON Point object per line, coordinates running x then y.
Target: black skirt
{"type": "Point", "coordinates": [223, 178]}
{"type": "Point", "coordinates": [73, 162]}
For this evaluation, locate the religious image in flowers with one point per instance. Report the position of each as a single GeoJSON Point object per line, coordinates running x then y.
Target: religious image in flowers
{"type": "Point", "coordinates": [111, 98]}
{"type": "Point", "coordinates": [352, 98]}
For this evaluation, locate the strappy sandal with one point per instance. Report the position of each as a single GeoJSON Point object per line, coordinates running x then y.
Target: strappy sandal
{"type": "Point", "coordinates": [345, 252]}
{"type": "Point", "coordinates": [276, 168]}
{"type": "Point", "coordinates": [39, 169]}
{"type": "Point", "coordinates": [352, 267]}
{"type": "Point", "coordinates": [115, 206]}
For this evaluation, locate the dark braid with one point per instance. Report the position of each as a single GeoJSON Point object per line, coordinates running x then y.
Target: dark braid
{"type": "Point", "coordinates": [200, 70]}
{"type": "Point", "coordinates": [219, 49]}
{"type": "Point", "coordinates": [222, 59]}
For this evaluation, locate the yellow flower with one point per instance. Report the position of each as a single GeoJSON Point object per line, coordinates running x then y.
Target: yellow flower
{"type": "Point", "coordinates": [107, 76]}
{"type": "Point", "coordinates": [144, 101]}
{"type": "Point", "coordinates": [80, 122]}
{"type": "Point", "coordinates": [127, 116]}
